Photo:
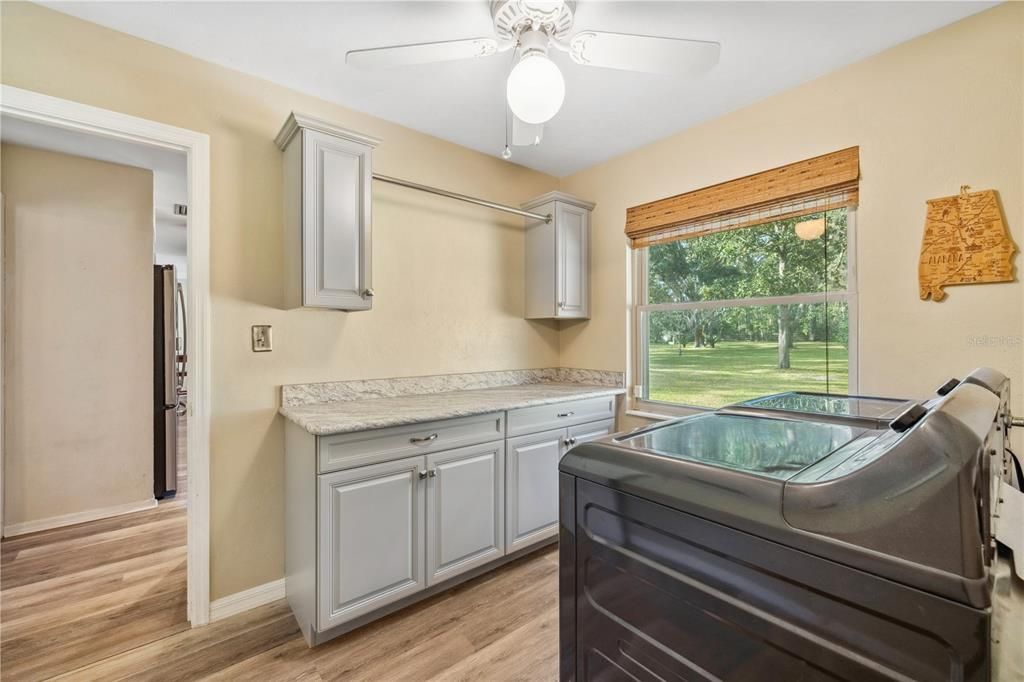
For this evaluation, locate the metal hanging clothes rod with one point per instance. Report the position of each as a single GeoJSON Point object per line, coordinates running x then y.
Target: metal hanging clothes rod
{"type": "Point", "coordinates": [461, 197]}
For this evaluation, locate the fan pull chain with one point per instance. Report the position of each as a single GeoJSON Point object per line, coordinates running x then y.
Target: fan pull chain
{"type": "Point", "coordinates": [506, 153]}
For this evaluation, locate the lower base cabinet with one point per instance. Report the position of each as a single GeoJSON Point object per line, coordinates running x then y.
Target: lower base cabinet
{"type": "Point", "coordinates": [371, 536]}
{"type": "Point", "coordinates": [388, 530]}
{"type": "Point", "coordinates": [531, 482]}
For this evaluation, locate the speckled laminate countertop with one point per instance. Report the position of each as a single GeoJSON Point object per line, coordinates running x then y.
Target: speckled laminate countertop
{"type": "Point", "coordinates": [324, 419]}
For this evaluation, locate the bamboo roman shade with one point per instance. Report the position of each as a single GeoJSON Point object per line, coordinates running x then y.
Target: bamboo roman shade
{"type": "Point", "coordinates": [798, 189]}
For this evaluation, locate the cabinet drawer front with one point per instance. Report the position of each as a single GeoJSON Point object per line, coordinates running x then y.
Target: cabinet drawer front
{"type": "Point", "coordinates": [349, 450]}
{"type": "Point", "coordinates": [371, 539]}
{"type": "Point", "coordinates": [465, 509]}
{"type": "Point", "coordinates": [558, 415]}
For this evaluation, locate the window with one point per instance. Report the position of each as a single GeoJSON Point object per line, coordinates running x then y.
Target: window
{"type": "Point", "coordinates": [744, 312]}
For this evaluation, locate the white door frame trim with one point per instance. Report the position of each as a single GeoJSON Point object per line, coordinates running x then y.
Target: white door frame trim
{"type": "Point", "coordinates": [61, 113]}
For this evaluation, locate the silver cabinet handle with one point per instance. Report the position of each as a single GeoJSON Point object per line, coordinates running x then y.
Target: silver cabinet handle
{"type": "Point", "coordinates": [432, 473]}
{"type": "Point", "coordinates": [566, 414]}
{"type": "Point", "coordinates": [561, 304]}
{"type": "Point", "coordinates": [367, 292]}
{"type": "Point", "coordinates": [422, 474]}
{"type": "Point", "coordinates": [570, 441]}
{"type": "Point", "coordinates": [424, 439]}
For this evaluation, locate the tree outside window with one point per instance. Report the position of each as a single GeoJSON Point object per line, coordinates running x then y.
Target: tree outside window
{"type": "Point", "coordinates": [746, 312]}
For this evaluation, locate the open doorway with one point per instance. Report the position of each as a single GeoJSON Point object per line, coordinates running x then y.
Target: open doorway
{"type": "Point", "coordinates": [101, 474]}
{"type": "Point", "coordinates": [170, 325]}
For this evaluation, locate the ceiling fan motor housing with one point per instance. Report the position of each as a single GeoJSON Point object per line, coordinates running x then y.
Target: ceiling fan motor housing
{"type": "Point", "coordinates": [533, 40]}
{"type": "Point", "coordinates": [512, 17]}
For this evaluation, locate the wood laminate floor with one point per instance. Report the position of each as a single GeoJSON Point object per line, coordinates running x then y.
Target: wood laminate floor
{"type": "Point", "coordinates": [500, 626]}
{"type": "Point", "coordinates": [106, 601]}
{"type": "Point", "coordinates": [76, 595]}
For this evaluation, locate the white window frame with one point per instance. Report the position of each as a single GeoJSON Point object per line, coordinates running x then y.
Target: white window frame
{"type": "Point", "coordinates": [641, 406]}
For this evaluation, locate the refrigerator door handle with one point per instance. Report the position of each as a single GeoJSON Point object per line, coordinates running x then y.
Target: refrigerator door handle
{"type": "Point", "coordinates": [180, 383]}
{"type": "Point", "coordinates": [170, 358]}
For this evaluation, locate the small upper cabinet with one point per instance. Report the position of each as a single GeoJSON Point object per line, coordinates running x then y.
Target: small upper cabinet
{"type": "Point", "coordinates": [327, 176]}
{"type": "Point", "coordinates": [558, 258]}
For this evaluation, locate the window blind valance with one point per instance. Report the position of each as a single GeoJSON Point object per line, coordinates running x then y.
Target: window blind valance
{"type": "Point", "coordinates": [798, 189]}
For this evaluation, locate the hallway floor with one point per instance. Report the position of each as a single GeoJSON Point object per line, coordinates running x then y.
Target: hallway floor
{"type": "Point", "coordinates": [76, 595]}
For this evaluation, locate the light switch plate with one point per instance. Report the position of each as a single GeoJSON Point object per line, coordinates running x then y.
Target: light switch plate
{"type": "Point", "coordinates": [262, 338]}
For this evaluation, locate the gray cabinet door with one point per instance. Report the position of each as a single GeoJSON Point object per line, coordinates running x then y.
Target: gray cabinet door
{"type": "Point", "coordinates": [572, 260]}
{"type": "Point", "coordinates": [531, 488]}
{"type": "Point", "coordinates": [465, 509]}
{"type": "Point", "coordinates": [371, 539]}
{"type": "Point", "coordinates": [336, 177]}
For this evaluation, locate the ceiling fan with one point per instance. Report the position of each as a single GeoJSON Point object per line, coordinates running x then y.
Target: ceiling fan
{"type": "Point", "coordinates": [535, 88]}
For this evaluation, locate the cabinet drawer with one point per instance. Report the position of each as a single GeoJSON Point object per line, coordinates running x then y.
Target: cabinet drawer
{"type": "Point", "coordinates": [349, 450]}
{"type": "Point", "coordinates": [558, 415]}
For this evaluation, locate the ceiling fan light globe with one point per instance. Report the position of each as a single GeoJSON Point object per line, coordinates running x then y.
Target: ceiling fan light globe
{"type": "Point", "coordinates": [535, 89]}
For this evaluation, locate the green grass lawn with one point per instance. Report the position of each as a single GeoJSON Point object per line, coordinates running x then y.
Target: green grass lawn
{"type": "Point", "coordinates": [738, 370]}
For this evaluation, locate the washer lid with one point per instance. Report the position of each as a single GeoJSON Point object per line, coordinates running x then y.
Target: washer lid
{"type": "Point", "coordinates": [773, 448]}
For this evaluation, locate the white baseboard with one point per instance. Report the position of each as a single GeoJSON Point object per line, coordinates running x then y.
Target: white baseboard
{"type": "Point", "coordinates": [247, 599]}
{"type": "Point", "coordinates": [78, 517]}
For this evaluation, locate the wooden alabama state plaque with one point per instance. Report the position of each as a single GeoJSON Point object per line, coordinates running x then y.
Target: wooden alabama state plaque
{"type": "Point", "coordinates": [965, 242]}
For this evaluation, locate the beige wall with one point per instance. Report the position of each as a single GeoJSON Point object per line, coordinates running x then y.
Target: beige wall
{"type": "Point", "coordinates": [448, 277]}
{"type": "Point", "coordinates": [78, 316]}
{"type": "Point", "coordinates": [929, 115]}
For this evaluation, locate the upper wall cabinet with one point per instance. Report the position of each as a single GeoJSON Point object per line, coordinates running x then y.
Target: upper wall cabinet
{"type": "Point", "coordinates": [327, 176]}
{"type": "Point", "coordinates": [558, 258]}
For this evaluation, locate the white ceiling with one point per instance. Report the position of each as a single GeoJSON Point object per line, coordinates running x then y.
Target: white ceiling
{"type": "Point", "coordinates": [170, 173]}
{"type": "Point", "coordinates": [767, 47]}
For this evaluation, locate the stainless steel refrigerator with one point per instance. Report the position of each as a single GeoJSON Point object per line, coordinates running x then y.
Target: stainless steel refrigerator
{"type": "Point", "coordinates": [169, 371]}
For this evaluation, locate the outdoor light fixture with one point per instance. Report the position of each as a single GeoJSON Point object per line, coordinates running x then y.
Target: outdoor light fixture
{"type": "Point", "coordinates": [810, 229]}
{"type": "Point", "coordinates": [535, 87]}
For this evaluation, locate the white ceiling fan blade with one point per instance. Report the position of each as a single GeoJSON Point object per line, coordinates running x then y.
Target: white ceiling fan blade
{"type": "Point", "coordinates": [650, 54]}
{"type": "Point", "coordinates": [526, 134]}
{"type": "Point", "coordinates": [421, 53]}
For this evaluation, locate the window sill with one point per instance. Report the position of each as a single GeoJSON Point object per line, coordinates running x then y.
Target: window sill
{"type": "Point", "coordinates": [648, 415]}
